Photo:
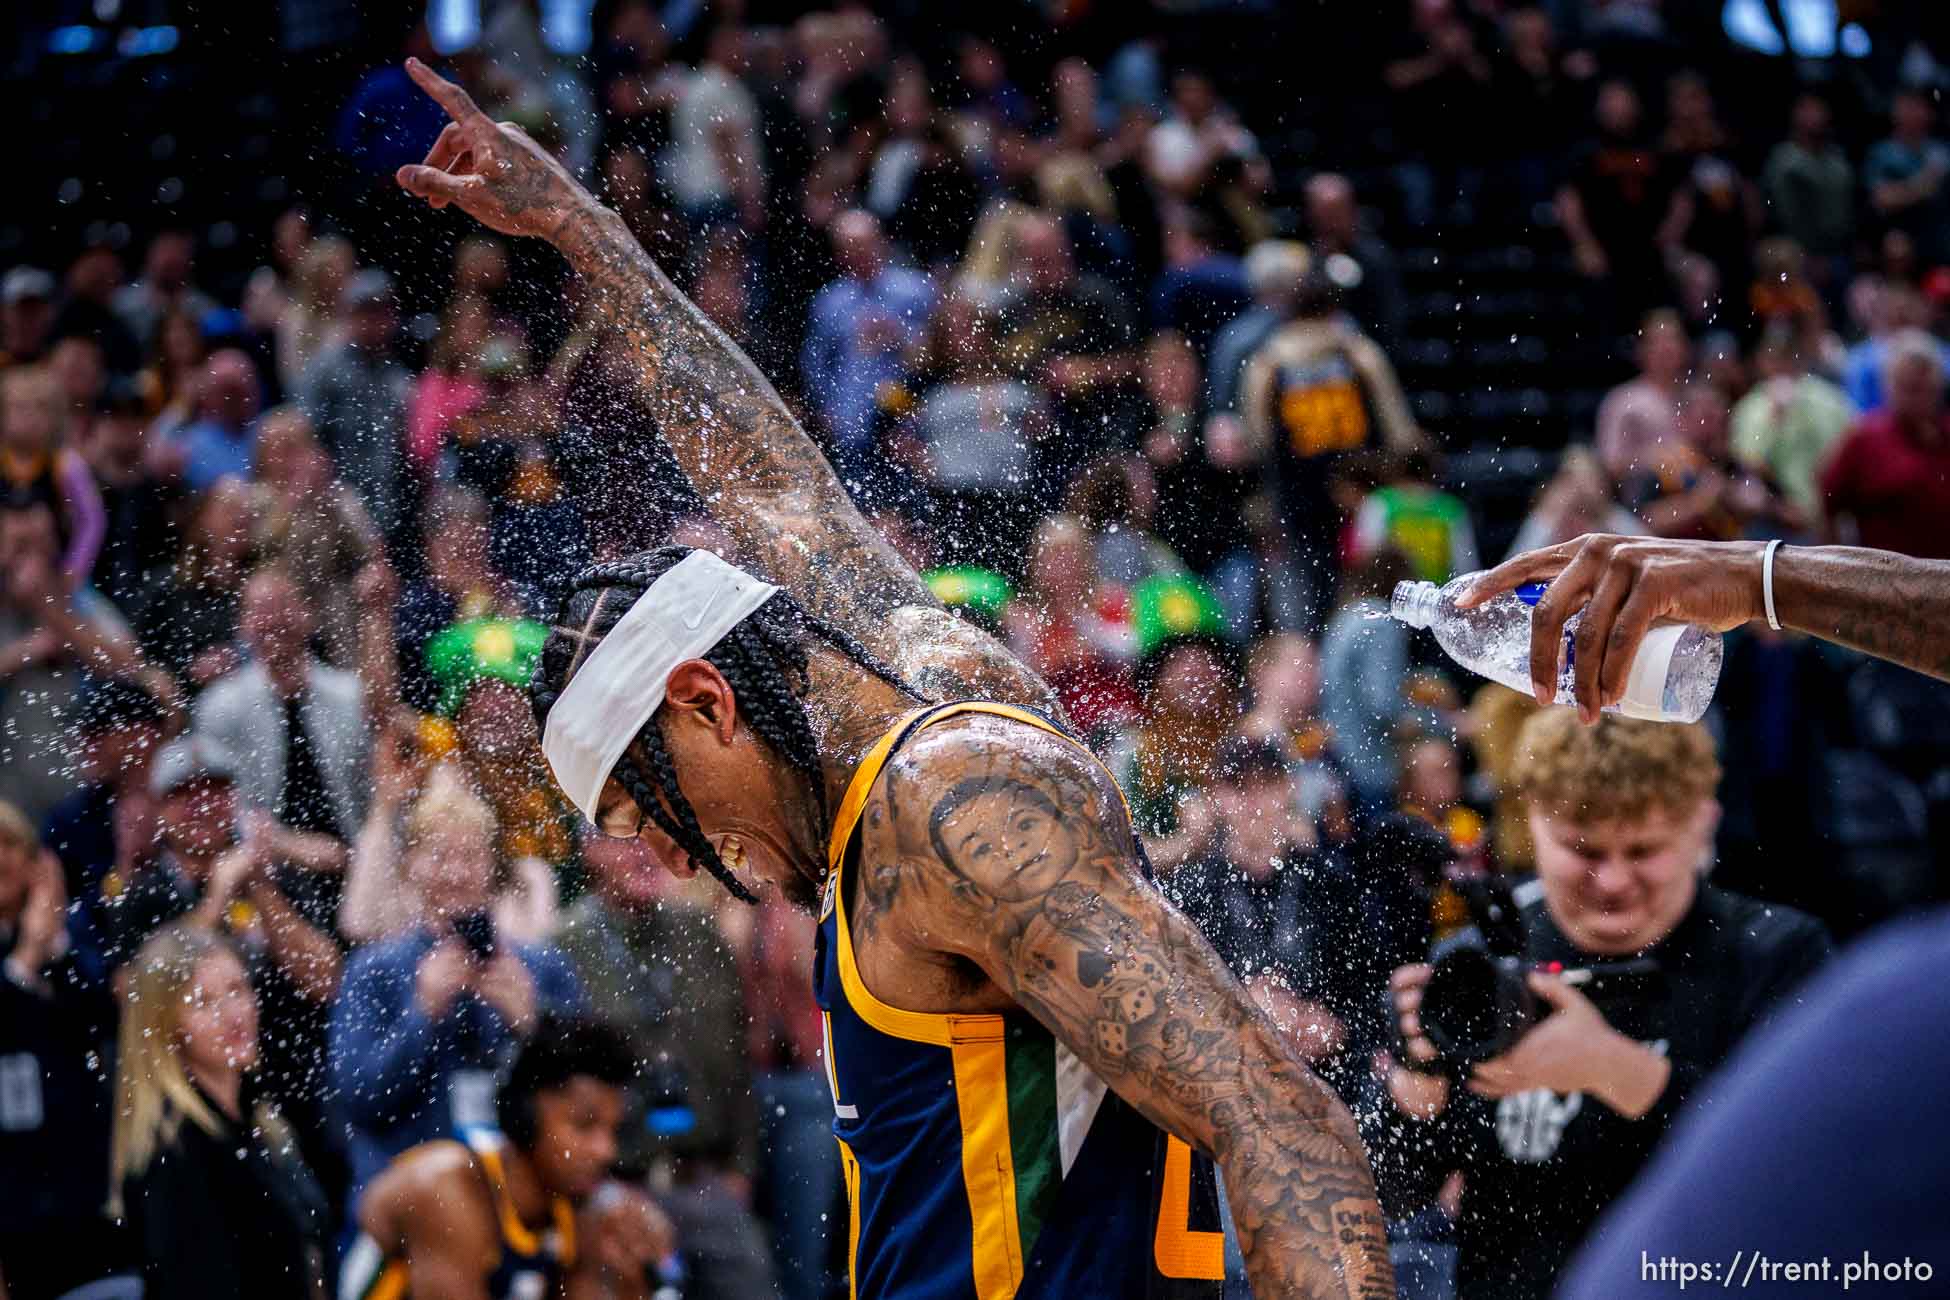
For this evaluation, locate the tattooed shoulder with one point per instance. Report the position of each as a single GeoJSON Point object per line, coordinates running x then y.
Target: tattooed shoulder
{"type": "Point", "coordinates": [1009, 847]}
{"type": "Point", "coordinates": [950, 660]}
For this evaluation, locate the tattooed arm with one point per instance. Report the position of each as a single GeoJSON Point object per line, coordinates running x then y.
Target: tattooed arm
{"type": "Point", "coordinates": [1010, 849]}
{"type": "Point", "coordinates": [762, 477]}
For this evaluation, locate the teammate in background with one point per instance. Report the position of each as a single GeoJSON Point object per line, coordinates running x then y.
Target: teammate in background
{"type": "Point", "coordinates": [1023, 1036]}
{"type": "Point", "coordinates": [526, 1212]}
{"type": "Point", "coordinates": [1315, 395]}
{"type": "Point", "coordinates": [1895, 607]}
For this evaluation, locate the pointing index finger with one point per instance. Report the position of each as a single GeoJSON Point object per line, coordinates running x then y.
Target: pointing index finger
{"type": "Point", "coordinates": [459, 104]}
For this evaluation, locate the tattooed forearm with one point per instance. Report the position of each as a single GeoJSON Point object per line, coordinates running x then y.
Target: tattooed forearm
{"type": "Point", "coordinates": [747, 457]}
{"type": "Point", "coordinates": [1019, 851]}
{"type": "Point", "coordinates": [766, 481]}
{"type": "Point", "coordinates": [1891, 606]}
{"type": "Point", "coordinates": [763, 478]}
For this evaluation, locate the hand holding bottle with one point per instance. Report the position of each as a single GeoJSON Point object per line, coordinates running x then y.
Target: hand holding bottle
{"type": "Point", "coordinates": [1622, 585]}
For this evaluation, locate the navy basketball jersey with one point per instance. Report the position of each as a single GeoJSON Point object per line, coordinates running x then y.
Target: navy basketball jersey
{"type": "Point", "coordinates": [532, 1264]}
{"type": "Point", "coordinates": [983, 1159]}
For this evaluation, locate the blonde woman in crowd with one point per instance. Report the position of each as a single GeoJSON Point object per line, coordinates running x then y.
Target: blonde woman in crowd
{"type": "Point", "coordinates": [994, 254]}
{"type": "Point", "coordinates": [218, 1201]}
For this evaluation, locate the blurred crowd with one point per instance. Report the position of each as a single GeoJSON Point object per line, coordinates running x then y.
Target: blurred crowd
{"type": "Point", "coordinates": [278, 548]}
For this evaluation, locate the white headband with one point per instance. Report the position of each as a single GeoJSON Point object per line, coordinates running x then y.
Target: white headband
{"type": "Point", "coordinates": [621, 683]}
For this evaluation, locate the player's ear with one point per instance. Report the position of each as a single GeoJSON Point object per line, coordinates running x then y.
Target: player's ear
{"type": "Point", "coordinates": [697, 690]}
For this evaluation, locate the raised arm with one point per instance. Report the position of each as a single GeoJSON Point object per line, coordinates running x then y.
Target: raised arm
{"type": "Point", "coordinates": [1014, 852]}
{"type": "Point", "coordinates": [762, 477]}
{"type": "Point", "coordinates": [1895, 607]}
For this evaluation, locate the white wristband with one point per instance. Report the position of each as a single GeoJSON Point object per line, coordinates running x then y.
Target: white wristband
{"type": "Point", "coordinates": [1767, 582]}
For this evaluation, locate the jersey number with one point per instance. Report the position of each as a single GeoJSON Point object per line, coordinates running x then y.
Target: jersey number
{"type": "Point", "coordinates": [1179, 1249]}
{"type": "Point", "coordinates": [1320, 418]}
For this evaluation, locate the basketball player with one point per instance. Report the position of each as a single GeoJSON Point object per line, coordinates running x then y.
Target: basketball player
{"type": "Point", "coordinates": [524, 1213]}
{"type": "Point", "coordinates": [1025, 1042]}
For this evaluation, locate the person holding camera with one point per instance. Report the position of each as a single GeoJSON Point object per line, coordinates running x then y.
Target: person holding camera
{"type": "Point", "coordinates": [523, 1208]}
{"type": "Point", "coordinates": [1547, 1078]}
{"type": "Point", "coordinates": [1733, 1174]}
{"type": "Point", "coordinates": [425, 1018]}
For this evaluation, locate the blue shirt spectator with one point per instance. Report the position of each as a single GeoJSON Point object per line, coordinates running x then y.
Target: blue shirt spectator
{"type": "Point", "coordinates": [1363, 663]}
{"type": "Point", "coordinates": [1863, 367]}
{"type": "Point", "coordinates": [222, 440]}
{"type": "Point", "coordinates": [860, 325]}
{"type": "Point", "coordinates": [407, 1075]}
{"type": "Point", "coordinates": [211, 452]}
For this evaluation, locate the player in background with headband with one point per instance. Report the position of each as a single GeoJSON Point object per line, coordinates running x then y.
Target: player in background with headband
{"type": "Point", "coordinates": [990, 932]}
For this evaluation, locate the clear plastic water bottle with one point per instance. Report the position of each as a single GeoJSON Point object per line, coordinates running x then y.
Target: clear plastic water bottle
{"type": "Point", "coordinates": [1672, 678]}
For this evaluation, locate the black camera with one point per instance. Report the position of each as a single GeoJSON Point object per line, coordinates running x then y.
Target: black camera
{"type": "Point", "coordinates": [476, 930]}
{"type": "Point", "coordinates": [1478, 1003]}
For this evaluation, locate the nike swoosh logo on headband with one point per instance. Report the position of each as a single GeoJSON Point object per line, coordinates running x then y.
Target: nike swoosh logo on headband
{"type": "Point", "coordinates": [696, 620]}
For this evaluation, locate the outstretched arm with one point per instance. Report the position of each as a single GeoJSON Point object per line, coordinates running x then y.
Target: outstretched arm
{"type": "Point", "coordinates": [762, 477]}
{"type": "Point", "coordinates": [1894, 607]}
{"type": "Point", "coordinates": [1013, 851]}
{"type": "Point", "coordinates": [757, 470]}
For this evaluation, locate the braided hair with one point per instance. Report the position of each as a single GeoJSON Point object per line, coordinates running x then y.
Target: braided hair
{"type": "Point", "coordinates": [765, 660]}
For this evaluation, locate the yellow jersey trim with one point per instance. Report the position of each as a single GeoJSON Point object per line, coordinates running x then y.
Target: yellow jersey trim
{"type": "Point", "coordinates": [988, 1165]}
{"type": "Point", "coordinates": [1177, 1250]}
{"type": "Point", "coordinates": [860, 786]}
{"type": "Point", "coordinates": [390, 1284]}
{"type": "Point", "coordinates": [850, 1169]}
{"type": "Point", "coordinates": [513, 1230]}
